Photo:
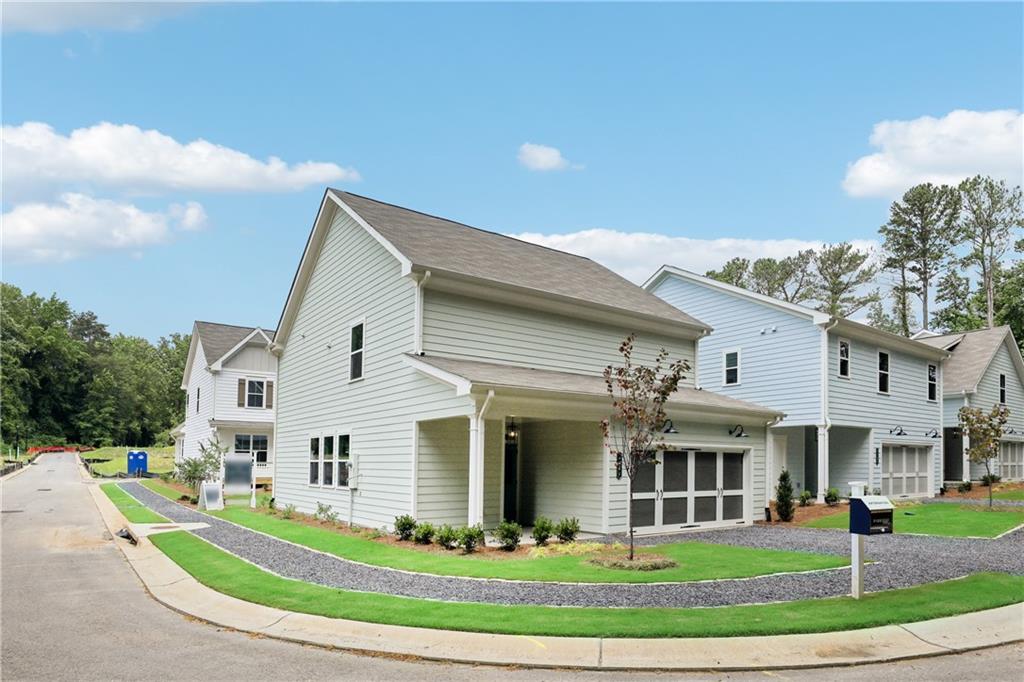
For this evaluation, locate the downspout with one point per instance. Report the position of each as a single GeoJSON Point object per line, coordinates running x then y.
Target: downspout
{"type": "Point", "coordinates": [826, 421]}
{"type": "Point", "coordinates": [418, 314]}
{"type": "Point", "coordinates": [476, 461]}
{"type": "Point", "coordinates": [696, 356]}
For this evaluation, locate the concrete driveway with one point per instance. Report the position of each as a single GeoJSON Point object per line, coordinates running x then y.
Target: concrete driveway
{"type": "Point", "coordinates": [72, 609]}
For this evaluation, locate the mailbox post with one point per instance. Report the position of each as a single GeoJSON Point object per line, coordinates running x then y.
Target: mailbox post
{"type": "Point", "coordinates": [869, 515]}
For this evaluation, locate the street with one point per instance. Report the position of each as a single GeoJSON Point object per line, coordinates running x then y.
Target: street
{"type": "Point", "coordinates": [72, 609]}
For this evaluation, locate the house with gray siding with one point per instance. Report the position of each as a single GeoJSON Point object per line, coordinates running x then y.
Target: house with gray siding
{"type": "Point", "coordinates": [984, 370]}
{"type": "Point", "coordinates": [862, 405]}
{"type": "Point", "coordinates": [430, 368]}
{"type": "Point", "coordinates": [229, 395]}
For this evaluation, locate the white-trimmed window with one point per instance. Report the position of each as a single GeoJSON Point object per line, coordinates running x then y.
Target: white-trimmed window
{"type": "Point", "coordinates": [355, 351]}
{"type": "Point", "coordinates": [344, 458]}
{"type": "Point", "coordinates": [314, 460]}
{"type": "Point", "coordinates": [933, 383]}
{"type": "Point", "coordinates": [731, 367]}
{"type": "Point", "coordinates": [883, 372]}
{"type": "Point", "coordinates": [197, 400]}
{"type": "Point", "coordinates": [844, 358]}
{"type": "Point", "coordinates": [329, 461]}
{"type": "Point", "coordinates": [255, 390]}
{"type": "Point", "coordinates": [1002, 389]}
{"type": "Point", "coordinates": [250, 445]}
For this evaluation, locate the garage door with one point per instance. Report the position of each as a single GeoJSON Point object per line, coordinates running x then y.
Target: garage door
{"type": "Point", "coordinates": [905, 470]}
{"type": "Point", "coordinates": [1011, 461]}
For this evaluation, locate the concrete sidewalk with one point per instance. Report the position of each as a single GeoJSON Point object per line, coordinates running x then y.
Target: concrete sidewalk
{"type": "Point", "coordinates": [175, 588]}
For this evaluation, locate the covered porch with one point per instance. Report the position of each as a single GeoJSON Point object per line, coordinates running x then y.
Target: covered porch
{"type": "Point", "coordinates": [249, 444]}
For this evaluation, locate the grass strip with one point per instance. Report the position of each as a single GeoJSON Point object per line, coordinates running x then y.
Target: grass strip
{"type": "Point", "coordinates": [227, 573]}
{"type": "Point", "coordinates": [132, 509]}
{"type": "Point", "coordinates": [1016, 495]}
{"type": "Point", "coordinates": [696, 560]}
{"type": "Point", "coordinates": [947, 520]}
{"type": "Point", "coordinates": [161, 459]}
{"type": "Point", "coordinates": [161, 489]}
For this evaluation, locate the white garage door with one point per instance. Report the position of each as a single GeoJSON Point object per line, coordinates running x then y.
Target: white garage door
{"type": "Point", "coordinates": [1011, 461]}
{"type": "Point", "coordinates": [905, 470]}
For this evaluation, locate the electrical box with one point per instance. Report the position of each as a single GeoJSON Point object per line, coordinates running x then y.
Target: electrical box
{"type": "Point", "coordinates": [138, 462]}
{"type": "Point", "coordinates": [871, 515]}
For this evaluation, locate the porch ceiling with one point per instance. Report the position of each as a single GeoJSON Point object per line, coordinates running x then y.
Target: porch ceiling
{"type": "Point", "coordinates": [241, 424]}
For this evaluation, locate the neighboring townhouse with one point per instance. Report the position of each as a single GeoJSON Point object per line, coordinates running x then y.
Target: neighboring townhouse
{"type": "Point", "coordinates": [985, 369]}
{"type": "Point", "coordinates": [862, 405]}
{"type": "Point", "coordinates": [229, 394]}
{"type": "Point", "coordinates": [435, 369]}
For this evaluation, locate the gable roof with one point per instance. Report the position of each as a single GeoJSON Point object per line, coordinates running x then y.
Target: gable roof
{"type": "Point", "coordinates": [218, 340]}
{"type": "Point", "coordinates": [840, 325]}
{"type": "Point", "coordinates": [423, 242]}
{"type": "Point", "coordinates": [972, 353]}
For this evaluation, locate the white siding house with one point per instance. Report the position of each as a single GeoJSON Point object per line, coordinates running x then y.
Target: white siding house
{"type": "Point", "coordinates": [985, 369]}
{"type": "Point", "coordinates": [866, 417]}
{"type": "Point", "coordinates": [229, 383]}
{"type": "Point", "coordinates": [434, 369]}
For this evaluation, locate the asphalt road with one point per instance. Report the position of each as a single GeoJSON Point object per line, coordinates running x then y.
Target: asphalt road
{"type": "Point", "coordinates": [72, 609]}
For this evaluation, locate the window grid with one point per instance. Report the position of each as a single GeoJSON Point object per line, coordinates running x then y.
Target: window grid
{"type": "Point", "coordinates": [355, 355]}
{"type": "Point", "coordinates": [254, 393]}
{"type": "Point", "coordinates": [844, 358]}
{"type": "Point", "coordinates": [883, 372]}
{"type": "Point", "coordinates": [933, 383]}
{"type": "Point", "coordinates": [731, 368]}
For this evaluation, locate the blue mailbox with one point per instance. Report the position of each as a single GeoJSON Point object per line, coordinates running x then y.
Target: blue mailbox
{"type": "Point", "coordinates": [138, 462]}
{"type": "Point", "coordinates": [870, 515]}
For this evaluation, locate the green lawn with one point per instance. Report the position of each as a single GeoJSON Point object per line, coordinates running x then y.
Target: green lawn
{"type": "Point", "coordinates": [228, 574]}
{"type": "Point", "coordinates": [940, 519]}
{"type": "Point", "coordinates": [1017, 495]}
{"type": "Point", "coordinates": [697, 561]}
{"type": "Point", "coordinates": [161, 460]}
{"type": "Point", "coordinates": [162, 489]}
{"type": "Point", "coordinates": [129, 506]}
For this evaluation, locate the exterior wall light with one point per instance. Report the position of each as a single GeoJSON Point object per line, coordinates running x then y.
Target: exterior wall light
{"type": "Point", "coordinates": [897, 431]}
{"type": "Point", "coordinates": [738, 432]}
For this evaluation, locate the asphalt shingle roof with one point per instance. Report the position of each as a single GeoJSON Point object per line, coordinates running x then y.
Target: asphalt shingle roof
{"type": "Point", "coordinates": [218, 339]}
{"type": "Point", "coordinates": [444, 245]}
{"type": "Point", "coordinates": [972, 353]}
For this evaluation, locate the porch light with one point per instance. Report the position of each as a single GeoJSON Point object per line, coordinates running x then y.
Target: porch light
{"type": "Point", "coordinates": [511, 432]}
{"type": "Point", "coordinates": [738, 432]}
{"type": "Point", "coordinates": [1009, 430]}
{"type": "Point", "coordinates": [897, 431]}
{"type": "Point", "coordinates": [931, 433]}
{"type": "Point", "coordinates": [669, 427]}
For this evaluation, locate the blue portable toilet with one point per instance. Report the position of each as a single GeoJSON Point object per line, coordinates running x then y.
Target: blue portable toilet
{"type": "Point", "coordinates": [138, 462]}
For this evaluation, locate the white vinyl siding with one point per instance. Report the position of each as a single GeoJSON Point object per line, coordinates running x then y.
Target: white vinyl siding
{"type": "Point", "coordinates": [254, 357]}
{"type": "Point", "coordinates": [987, 395]}
{"type": "Point", "coordinates": [443, 472]}
{"type": "Point", "coordinates": [197, 417]}
{"type": "Point", "coordinates": [226, 395]}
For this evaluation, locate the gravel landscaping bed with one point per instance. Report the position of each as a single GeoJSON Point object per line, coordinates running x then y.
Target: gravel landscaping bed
{"type": "Point", "coordinates": [903, 561]}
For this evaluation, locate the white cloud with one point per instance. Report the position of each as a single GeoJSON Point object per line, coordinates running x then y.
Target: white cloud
{"type": "Point", "coordinates": [940, 150]}
{"type": "Point", "coordinates": [126, 157]}
{"type": "Point", "coordinates": [539, 157]}
{"type": "Point", "coordinates": [40, 16]}
{"type": "Point", "coordinates": [636, 255]}
{"type": "Point", "coordinates": [79, 225]}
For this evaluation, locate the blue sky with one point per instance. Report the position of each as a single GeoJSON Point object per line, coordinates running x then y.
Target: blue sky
{"type": "Point", "coordinates": [671, 122]}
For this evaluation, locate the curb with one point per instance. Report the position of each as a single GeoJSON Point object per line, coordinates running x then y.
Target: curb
{"type": "Point", "coordinates": [170, 585]}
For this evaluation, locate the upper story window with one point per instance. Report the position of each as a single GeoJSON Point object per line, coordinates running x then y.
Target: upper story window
{"type": "Point", "coordinates": [731, 368]}
{"type": "Point", "coordinates": [844, 358]}
{"type": "Point", "coordinates": [355, 353]}
{"type": "Point", "coordinates": [314, 461]}
{"type": "Point", "coordinates": [883, 372]}
{"type": "Point", "coordinates": [254, 392]}
{"type": "Point", "coordinates": [197, 400]}
{"type": "Point", "coordinates": [933, 382]}
{"type": "Point", "coordinates": [1002, 389]}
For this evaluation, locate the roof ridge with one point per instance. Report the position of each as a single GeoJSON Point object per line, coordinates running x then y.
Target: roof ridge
{"type": "Point", "coordinates": [461, 224]}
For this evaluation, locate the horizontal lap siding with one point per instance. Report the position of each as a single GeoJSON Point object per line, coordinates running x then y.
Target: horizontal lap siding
{"type": "Point", "coordinates": [197, 424]}
{"type": "Point", "coordinates": [849, 458]}
{"type": "Point", "coordinates": [227, 397]}
{"type": "Point", "coordinates": [988, 395]}
{"type": "Point", "coordinates": [466, 327]}
{"type": "Point", "coordinates": [562, 464]}
{"type": "Point", "coordinates": [443, 472]}
{"type": "Point", "coordinates": [354, 278]}
{"type": "Point", "coordinates": [779, 369]}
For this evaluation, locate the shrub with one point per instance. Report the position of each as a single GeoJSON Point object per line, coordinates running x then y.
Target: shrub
{"type": "Point", "coordinates": [876, 491]}
{"type": "Point", "coordinates": [832, 497]}
{"type": "Point", "coordinates": [964, 487]}
{"type": "Point", "coordinates": [325, 513]}
{"type": "Point", "coordinates": [784, 497]}
{"type": "Point", "coordinates": [424, 533]}
{"type": "Point", "coordinates": [289, 511]}
{"type": "Point", "coordinates": [265, 502]}
{"type": "Point", "coordinates": [405, 526]}
{"type": "Point", "coordinates": [447, 536]}
{"type": "Point", "coordinates": [567, 529]}
{"type": "Point", "coordinates": [508, 534]}
{"type": "Point", "coordinates": [806, 498]}
{"type": "Point", "coordinates": [543, 528]}
{"type": "Point", "coordinates": [470, 538]}
{"type": "Point", "coordinates": [990, 479]}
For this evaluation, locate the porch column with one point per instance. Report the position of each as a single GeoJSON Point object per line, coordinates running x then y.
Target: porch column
{"type": "Point", "coordinates": [476, 470]}
{"type": "Point", "coordinates": [822, 463]}
{"type": "Point", "coordinates": [966, 471]}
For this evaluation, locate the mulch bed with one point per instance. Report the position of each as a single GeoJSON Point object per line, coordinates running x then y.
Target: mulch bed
{"type": "Point", "coordinates": [803, 514]}
{"type": "Point", "coordinates": [979, 491]}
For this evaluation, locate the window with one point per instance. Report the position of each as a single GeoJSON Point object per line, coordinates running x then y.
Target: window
{"type": "Point", "coordinates": [1002, 389]}
{"type": "Point", "coordinates": [314, 461]}
{"type": "Point", "coordinates": [247, 444]}
{"type": "Point", "coordinates": [844, 358]}
{"type": "Point", "coordinates": [355, 355]}
{"type": "Point", "coordinates": [933, 383]}
{"type": "Point", "coordinates": [731, 368]}
{"type": "Point", "coordinates": [343, 459]}
{"type": "Point", "coordinates": [883, 372]}
{"type": "Point", "coordinates": [329, 460]}
{"type": "Point", "coordinates": [197, 401]}
{"type": "Point", "coordinates": [254, 391]}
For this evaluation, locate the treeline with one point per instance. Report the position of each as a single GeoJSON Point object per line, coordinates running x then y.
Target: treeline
{"type": "Point", "coordinates": [66, 379]}
{"type": "Point", "coordinates": [935, 236]}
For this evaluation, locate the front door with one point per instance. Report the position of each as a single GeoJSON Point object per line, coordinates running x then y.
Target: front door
{"type": "Point", "coordinates": [689, 489]}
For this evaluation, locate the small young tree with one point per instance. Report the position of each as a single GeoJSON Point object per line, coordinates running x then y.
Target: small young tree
{"type": "Point", "coordinates": [784, 497]}
{"type": "Point", "coordinates": [984, 430]}
{"type": "Point", "coordinates": [192, 471]}
{"type": "Point", "coordinates": [634, 430]}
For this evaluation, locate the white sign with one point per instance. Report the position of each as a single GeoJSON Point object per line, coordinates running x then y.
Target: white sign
{"type": "Point", "coordinates": [210, 497]}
